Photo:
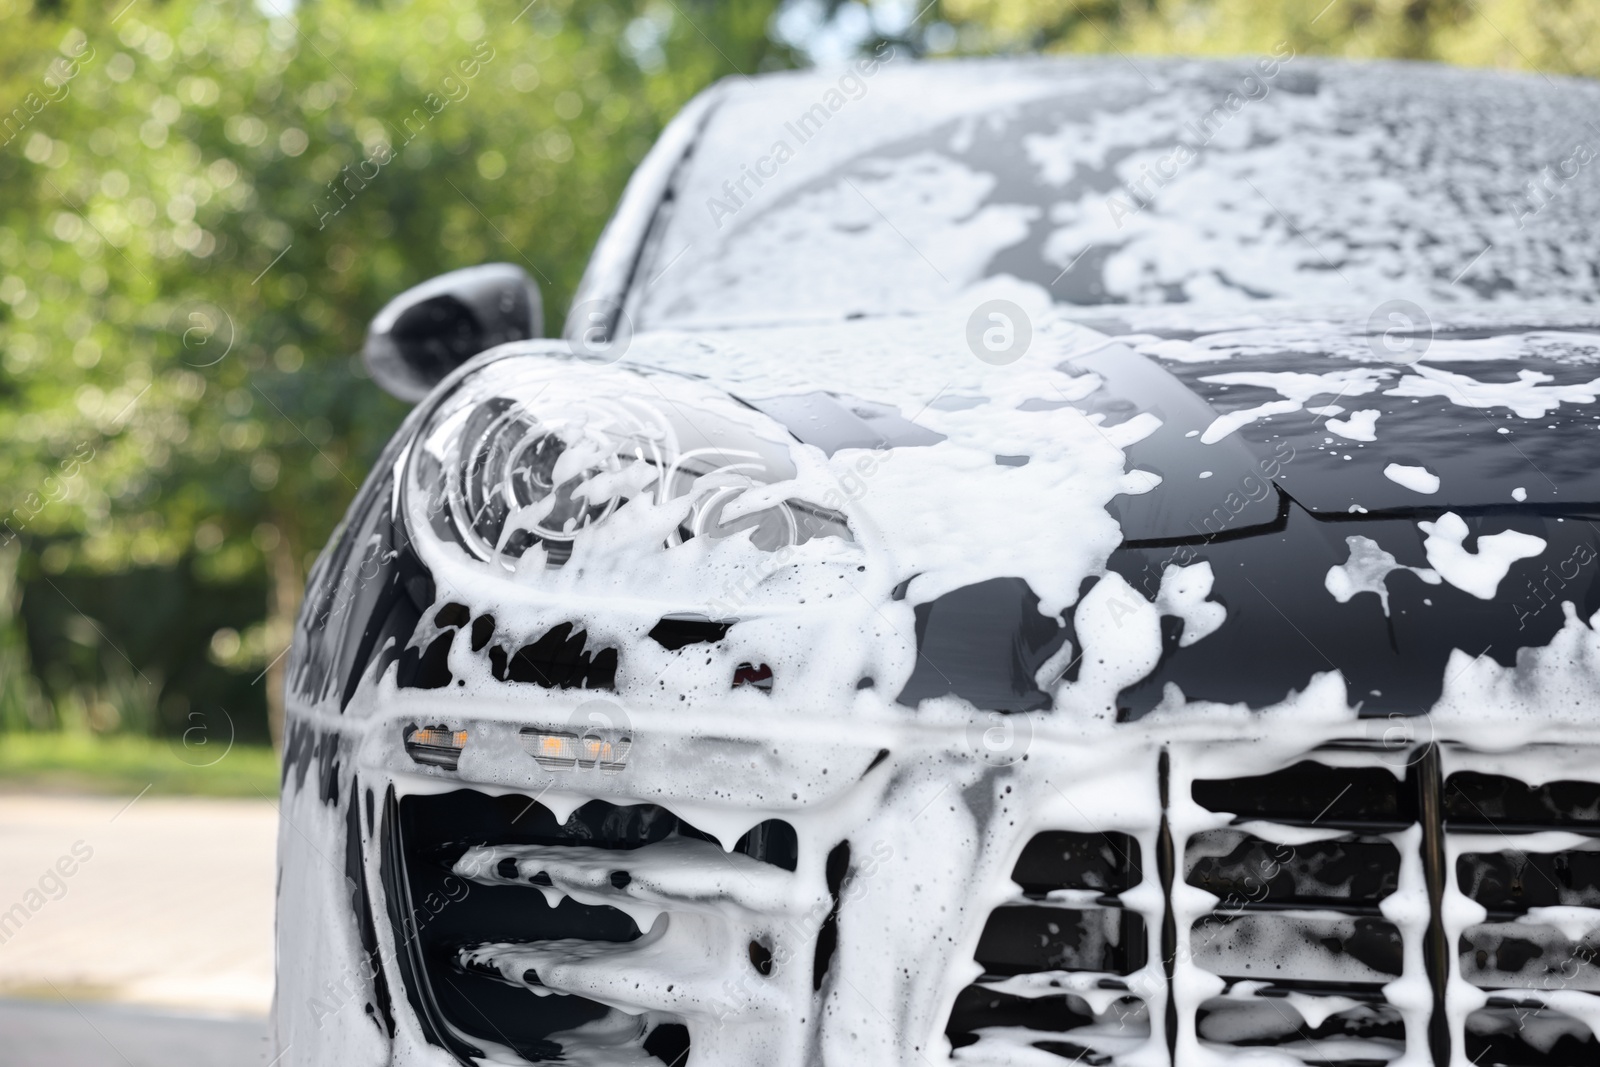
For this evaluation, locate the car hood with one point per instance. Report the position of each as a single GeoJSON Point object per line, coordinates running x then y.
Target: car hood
{"type": "Point", "coordinates": [1393, 409]}
{"type": "Point", "coordinates": [1130, 515]}
{"type": "Point", "coordinates": [1392, 497]}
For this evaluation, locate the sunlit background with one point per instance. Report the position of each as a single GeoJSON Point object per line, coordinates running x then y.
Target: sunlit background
{"type": "Point", "coordinates": [187, 269]}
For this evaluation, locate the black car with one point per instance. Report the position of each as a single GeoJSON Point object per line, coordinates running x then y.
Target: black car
{"type": "Point", "coordinates": [1013, 562]}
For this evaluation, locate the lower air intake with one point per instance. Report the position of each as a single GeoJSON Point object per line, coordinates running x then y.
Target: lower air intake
{"type": "Point", "coordinates": [502, 914]}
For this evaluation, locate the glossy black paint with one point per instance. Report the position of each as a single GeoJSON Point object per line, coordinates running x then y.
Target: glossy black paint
{"type": "Point", "coordinates": [1480, 454]}
{"type": "Point", "coordinates": [984, 643]}
{"type": "Point", "coordinates": [679, 631]}
{"type": "Point", "coordinates": [355, 878]}
{"type": "Point", "coordinates": [1236, 498]}
{"type": "Point", "coordinates": [366, 594]}
{"type": "Point", "coordinates": [304, 744]}
{"type": "Point", "coordinates": [1283, 626]}
{"type": "Point", "coordinates": [558, 659]}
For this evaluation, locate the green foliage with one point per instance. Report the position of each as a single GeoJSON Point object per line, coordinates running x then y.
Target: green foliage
{"type": "Point", "coordinates": [124, 765]}
{"type": "Point", "coordinates": [205, 205]}
{"type": "Point", "coordinates": [22, 706]}
{"type": "Point", "coordinates": [197, 232]}
{"type": "Point", "coordinates": [1557, 36]}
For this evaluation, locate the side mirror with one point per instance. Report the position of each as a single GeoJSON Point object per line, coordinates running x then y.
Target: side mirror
{"type": "Point", "coordinates": [431, 329]}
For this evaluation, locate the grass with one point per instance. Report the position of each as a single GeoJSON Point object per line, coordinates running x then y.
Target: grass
{"type": "Point", "coordinates": [125, 764]}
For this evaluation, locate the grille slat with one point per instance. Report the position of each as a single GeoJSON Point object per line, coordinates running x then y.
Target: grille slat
{"type": "Point", "coordinates": [1054, 959]}
{"type": "Point", "coordinates": [1314, 794]}
{"type": "Point", "coordinates": [1310, 946]}
{"type": "Point", "coordinates": [1299, 931]}
{"type": "Point", "coordinates": [1029, 938]}
{"type": "Point", "coordinates": [1510, 882]}
{"type": "Point", "coordinates": [1535, 962]}
{"type": "Point", "coordinates": [1354, 873]}
{"type": "Point", "coordinates": [1540, 855]}
{"type": "Point", "coordinates": [1501, 804]}
{"type": "Point", "coordinates": [1527, 1034]}
{"type": "Point", "coordinates": [1528, 956]}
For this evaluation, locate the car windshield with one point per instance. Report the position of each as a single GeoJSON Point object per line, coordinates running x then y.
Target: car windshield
{"type": "Point", "coordinates": [891, 188]}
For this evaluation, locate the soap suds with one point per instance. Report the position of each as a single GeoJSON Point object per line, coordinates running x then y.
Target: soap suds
{"type": "Point", "coordinates": [1223, 425]}
{"type": "Point", "coordinates": [1416, 479]}
{"type": "Point", "coordinates": [1528, 396]}
{"type": "Point", "coordinates": [1360, 426]}
{"type": "Point", "coordinates": [1183, 593]}
{"type": "Point", "coordinates": [1367, 571]}
{"type": "Point", "coordinates": [1480, 572]}
{"type": "Point", "coordinates": [1296, 389]}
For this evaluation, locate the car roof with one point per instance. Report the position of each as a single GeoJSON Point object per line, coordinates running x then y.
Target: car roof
{"type": "Point", "coordinates": [891, 186]}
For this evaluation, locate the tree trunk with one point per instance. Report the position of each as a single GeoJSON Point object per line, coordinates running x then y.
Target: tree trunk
{"type": "Point", "coordinates": [284, 591]}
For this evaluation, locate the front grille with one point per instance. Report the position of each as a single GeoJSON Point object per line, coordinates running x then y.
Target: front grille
{"type": "Point", "coordinates": [523, 932]}
{"type": "Point", "coordinates": [1529, 855]}
{"type": "Point", "coordinates": [1299, 936]}
{"type": "Point", "coordinates": [1353, 908]}
{"type": "Point", "coordinates": [1056, 958]}
{"type": "Point", "coordinates": [1472, 840]}
{"type": "Point", "coordinates": [1362, 905]}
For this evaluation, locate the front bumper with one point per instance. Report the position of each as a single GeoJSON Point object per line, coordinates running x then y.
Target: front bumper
{"type": "Point", "coordinates": [991, 892]}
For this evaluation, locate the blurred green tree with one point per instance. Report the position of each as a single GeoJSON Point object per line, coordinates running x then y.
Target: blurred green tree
{"type": "Point", "coordinates": [204, 204]}
{"type": "Point", "coordinates": [1556, 36]}
{"type": "Point", "coordinates": [206, 200]}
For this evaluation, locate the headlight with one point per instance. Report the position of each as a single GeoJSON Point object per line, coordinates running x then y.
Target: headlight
{"type": "Point", "coordinates": [528, 453]}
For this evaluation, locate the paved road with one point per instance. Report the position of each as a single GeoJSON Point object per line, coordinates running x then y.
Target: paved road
{"type": "Point", "coordinates": [159, 901]}
{"type": "Point", "coordinates": [41, 1034]}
